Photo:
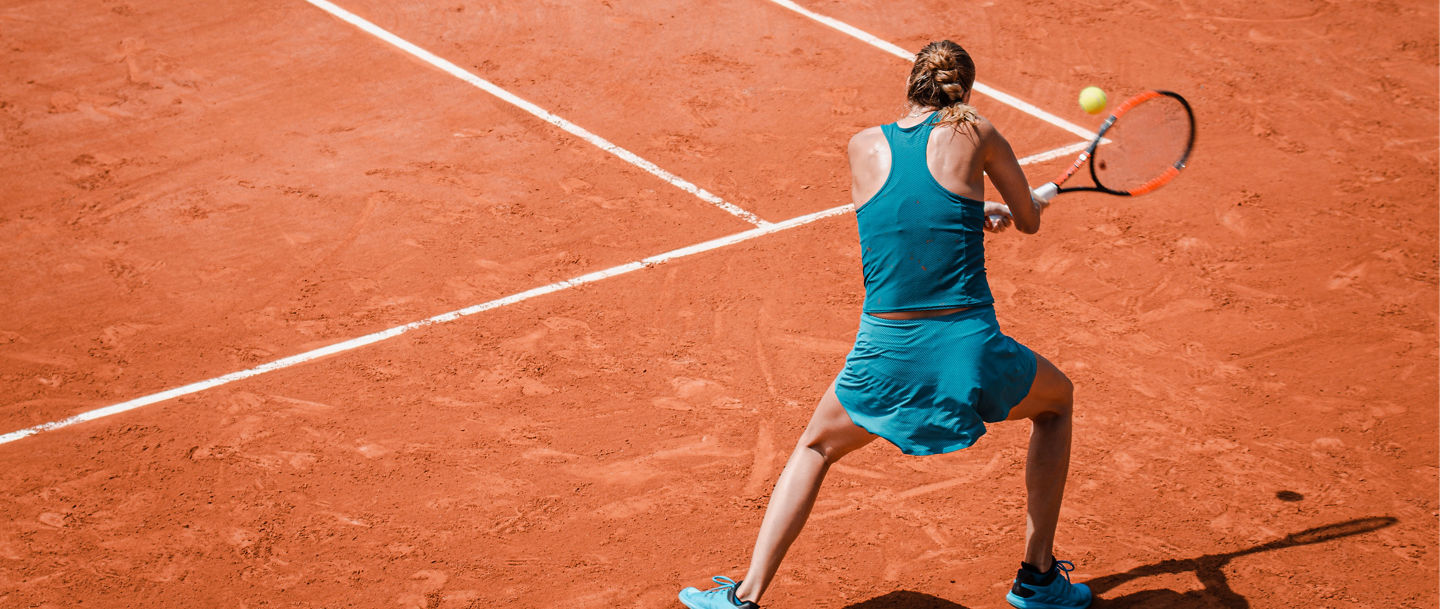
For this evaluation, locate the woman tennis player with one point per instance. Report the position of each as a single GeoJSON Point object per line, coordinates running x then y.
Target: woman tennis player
{"type": "Point", "coordinates": [930, 366]}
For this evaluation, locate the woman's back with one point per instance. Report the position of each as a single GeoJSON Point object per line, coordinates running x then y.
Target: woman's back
{"type": "Point", "coordinates": [922, 244]}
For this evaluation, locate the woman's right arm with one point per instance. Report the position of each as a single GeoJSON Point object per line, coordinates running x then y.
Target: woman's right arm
{"type": "Point", "coordinates": [1005, 172]}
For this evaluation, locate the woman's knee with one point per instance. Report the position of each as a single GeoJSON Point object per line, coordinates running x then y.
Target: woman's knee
{"type": "Point", "coordinates": [828, 446]}
{"type": "Point", "coordinates": [833, 442]}
{"type": "Point", "coordinates": [1061, 394]}
{"type": "Point", "coordinates": [1051, 394]}
{"type": "Point", "coordinates": [1064, 394]}
{"type": "Point", "coordinates": [831, 432]}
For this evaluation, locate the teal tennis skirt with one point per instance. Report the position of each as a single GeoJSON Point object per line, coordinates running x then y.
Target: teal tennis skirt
{"type": "Point", "coordinates": [930, 385]}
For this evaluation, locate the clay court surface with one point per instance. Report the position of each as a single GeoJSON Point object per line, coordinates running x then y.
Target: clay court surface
{"type": "Point", "coordinates": [196, 189]}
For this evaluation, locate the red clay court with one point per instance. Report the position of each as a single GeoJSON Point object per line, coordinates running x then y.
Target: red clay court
{"type": "Point", "coordinates": [345, 326]}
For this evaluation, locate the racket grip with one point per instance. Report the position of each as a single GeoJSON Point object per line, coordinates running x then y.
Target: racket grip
{"type": "Point", "coordinates": [1044, 192]}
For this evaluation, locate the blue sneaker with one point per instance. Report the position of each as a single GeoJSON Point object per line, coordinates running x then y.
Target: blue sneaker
{"type": "Point", "coordinates": [719, 597]}
{"type": "Point", "coordinates": [1052, 590]}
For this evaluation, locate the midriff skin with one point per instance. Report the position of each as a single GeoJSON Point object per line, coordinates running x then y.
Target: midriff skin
{"type": "Point", "coordinates": [903, 315]}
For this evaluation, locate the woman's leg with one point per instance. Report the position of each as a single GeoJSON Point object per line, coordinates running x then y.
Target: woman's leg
{"type": "Point", "coordinates": [830, 435]}
{"type": "Point", "coordinates": [1048, 406]}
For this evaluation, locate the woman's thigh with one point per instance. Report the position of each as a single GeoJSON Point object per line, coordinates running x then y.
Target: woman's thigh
{"type": "Point", "coordinates": [1050, 393]}
{"type": "Point", "coordinates": [831, 432]}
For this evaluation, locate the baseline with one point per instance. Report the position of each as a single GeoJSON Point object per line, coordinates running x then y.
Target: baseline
{"type": "Point", "coordinates": [368, 339]}
{"type": "Point", "coordinates": [537, 111]}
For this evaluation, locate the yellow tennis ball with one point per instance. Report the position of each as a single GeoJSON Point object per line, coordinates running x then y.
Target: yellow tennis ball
{"type": "Point", "coordinates": [1092, 99]}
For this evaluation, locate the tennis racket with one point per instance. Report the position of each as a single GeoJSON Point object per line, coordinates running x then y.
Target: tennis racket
{"type": "Point", "coordinates": [1139, 148]}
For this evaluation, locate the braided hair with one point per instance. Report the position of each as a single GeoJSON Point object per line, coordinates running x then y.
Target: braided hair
{"type": "Point", "coordinates": [942, 78]}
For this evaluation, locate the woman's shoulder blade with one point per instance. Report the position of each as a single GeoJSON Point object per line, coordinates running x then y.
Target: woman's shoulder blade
{"type": "Point", "coordinates": [868, 142]}
{"type": "Point", "coordinates": [985, 128]}
{"type": "Point", "coordinates": [867, 134]}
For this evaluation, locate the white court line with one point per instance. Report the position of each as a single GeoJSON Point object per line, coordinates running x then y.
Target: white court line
{"type": "Point", "coordinates": [1041, 157]}
{"type": "Point", "coordinates": [541, 113]}
{"type": "Point", "coordinates": [368, 339]}
{"type": "Point", "coordinates": [894, 49]}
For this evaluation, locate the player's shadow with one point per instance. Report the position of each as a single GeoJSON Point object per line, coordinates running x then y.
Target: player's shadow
{"type": "Point", "coordinates": [905, 599]}
{"type": "Point", "coordinates": [1208, 569]}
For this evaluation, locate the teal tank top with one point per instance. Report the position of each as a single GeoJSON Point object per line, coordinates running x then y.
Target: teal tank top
{"type": "Point", "coordinates": [921, 246]}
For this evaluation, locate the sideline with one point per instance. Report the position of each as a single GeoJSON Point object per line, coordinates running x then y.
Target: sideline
{"type": "Point", "coordinates": [541, 113]}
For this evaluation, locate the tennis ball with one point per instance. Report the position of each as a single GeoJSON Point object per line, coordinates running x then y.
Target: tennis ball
{"type": "Point", "coordinates": [1092, 99]}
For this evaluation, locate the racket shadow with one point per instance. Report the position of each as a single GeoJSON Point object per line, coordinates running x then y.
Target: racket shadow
{"type": "Point", "coordinates": [1209, 570]}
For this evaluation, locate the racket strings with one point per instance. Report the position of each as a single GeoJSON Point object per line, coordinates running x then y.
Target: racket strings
{"type": "Point", "coordinates": [1143, 145]}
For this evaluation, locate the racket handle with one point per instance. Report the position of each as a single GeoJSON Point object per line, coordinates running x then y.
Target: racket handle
{"type": "Point", "coordinates": [1044, 192]}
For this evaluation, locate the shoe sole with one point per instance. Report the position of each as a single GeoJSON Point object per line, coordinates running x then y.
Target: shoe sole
{"type": "Point", "coordinates": [1024, 603]}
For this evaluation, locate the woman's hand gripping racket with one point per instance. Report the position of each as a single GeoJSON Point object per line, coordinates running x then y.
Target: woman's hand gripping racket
{"type": "Point", "coordinates": [1139, 148]}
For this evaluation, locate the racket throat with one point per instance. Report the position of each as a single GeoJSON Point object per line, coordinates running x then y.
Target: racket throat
{"type": "Point", "coordinates": [1045, 192]}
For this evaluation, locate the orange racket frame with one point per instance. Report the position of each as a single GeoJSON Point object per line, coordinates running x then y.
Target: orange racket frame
{"type": "Point", "coordinates": [1055, 186]}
